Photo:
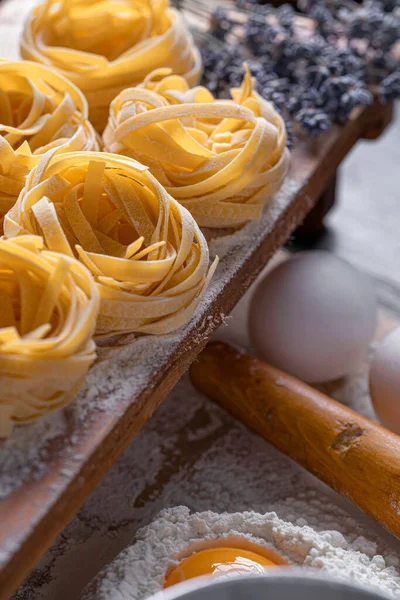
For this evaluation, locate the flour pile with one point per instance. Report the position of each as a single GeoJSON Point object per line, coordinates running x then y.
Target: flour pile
{"type": "Point", "coordinates": [140, 569]}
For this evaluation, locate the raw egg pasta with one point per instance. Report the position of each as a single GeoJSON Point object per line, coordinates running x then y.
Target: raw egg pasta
{"type": "Point", "coordinates": [146, 252]}
{"type": "Point", "coordinates": [49, 308]}
{"type": "Point", "coordinates": [104, 47]}
{"type": "Point", "coordinates": [221, 159]}
{"type": "Point", "coordinates": [39, 110]}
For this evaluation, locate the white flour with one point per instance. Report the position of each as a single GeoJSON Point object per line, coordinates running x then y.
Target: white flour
{"type": "Point", "coordinates": [140, 569]}
{"type": "Point", "coordinates": [23, 457]}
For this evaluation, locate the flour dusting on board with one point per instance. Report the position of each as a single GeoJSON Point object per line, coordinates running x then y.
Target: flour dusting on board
{"type": "Point", "coordinates": [23, 457]}
{"type": "Point", "coordinates": [121, 373]}
{"type": "Point", "coordinates": [140, 569]}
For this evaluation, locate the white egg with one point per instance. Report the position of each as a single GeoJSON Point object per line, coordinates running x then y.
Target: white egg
{"type": "Point", "coordinates": [384, 381]}
{"type": "Point", "coordinates": [313, 317]}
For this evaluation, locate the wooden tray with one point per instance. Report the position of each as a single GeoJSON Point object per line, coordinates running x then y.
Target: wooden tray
{"type": "Point", "coordinates": [133, 375]}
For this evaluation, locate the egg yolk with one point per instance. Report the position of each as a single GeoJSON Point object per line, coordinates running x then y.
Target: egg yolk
{"type": "Point", "coordinates": [218, 562]}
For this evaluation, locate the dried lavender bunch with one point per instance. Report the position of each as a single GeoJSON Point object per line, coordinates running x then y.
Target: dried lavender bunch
{"type": "Point", "coordinates": [313, 81]}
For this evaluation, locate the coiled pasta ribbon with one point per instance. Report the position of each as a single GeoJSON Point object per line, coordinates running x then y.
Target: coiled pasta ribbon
{"type": "Point", "coordinates": [220, 159]}
{"type": "Point", "coordinates": [146, 252]}
{"type": "Point", "coordinates": [106, 46]}
{"type": "Point", "coordinates": [39, 110]}
{"type": "Point", "coordinates": [49, 306]}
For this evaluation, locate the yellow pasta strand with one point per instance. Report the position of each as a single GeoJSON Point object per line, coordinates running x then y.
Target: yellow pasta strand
{"type": "Point", "coordinates": [50, 304]}
{"type": "Point", "coordinates": [39, 110]}
{"type": "Point", "coordinates": [145, 251]}
{"type": "Point", "coordinates": [106, 46]}
{"type": "Point", "coordinates": [221, 159]}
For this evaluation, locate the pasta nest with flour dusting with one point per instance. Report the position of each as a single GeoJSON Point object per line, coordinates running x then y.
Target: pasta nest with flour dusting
{"type": "Point", "coordinates": [146, 252]}
{"type": "Point", "coordinates": [39, 110]}
{"type": "Point", "coordinates": [221, 159]}
{"type": "Point", "coordinates": [106, 46]}
{"type": "Point", "coordinates": [49, 306]}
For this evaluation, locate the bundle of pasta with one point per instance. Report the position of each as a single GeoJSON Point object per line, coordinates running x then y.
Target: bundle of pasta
{"type": "Point", "coordinates": [146, 252]}
{"type": "Point", "coordinates": [39, 110]}
{"type": "Point", "coordinates": [221, 159]}
{"type": "Point", "coordinates": [106, 46]}
{"type": "Point", "coordinates": [49, 306]}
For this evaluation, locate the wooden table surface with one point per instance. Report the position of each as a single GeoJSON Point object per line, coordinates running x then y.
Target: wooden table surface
{"type": "Point", "coordinates": [33, 515]}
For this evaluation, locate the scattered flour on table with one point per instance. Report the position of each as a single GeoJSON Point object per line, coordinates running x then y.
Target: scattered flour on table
{"type": "Point", "coordinates": [140, 569]}
{"type": "Point", "coordinates": [192, 453]}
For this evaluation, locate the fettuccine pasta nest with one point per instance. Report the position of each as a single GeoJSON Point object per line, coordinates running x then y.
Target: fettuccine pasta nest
{"type": "Point", "coordinates": [146, 252]}
{"type": "Point", "coordinates": [49, 306]}
{"type": "Point", "coordinates": [39, 110]}
{"type": "Point", "coordinates": [221, 159]}
{"type": "Point", "coordinates": [106, 46]}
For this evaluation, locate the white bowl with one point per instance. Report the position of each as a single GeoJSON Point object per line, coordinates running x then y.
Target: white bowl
{"type": "Point", "coordinates": [289, 584]}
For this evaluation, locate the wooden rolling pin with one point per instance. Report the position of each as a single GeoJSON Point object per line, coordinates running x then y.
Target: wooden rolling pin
{"type": "Point", "coordinates": [353, 455]}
